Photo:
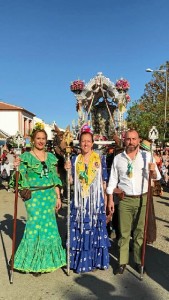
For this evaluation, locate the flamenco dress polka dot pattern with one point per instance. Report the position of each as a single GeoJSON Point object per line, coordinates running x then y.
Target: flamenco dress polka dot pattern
{"type": "Point", "coordinates": [41, 248]}
{"type": "Point", "coordinates": [88, 234]}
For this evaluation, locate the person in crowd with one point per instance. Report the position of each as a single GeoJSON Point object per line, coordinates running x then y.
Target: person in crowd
{"type": "Point", "coordinates": [4, 155]}
{"type": "Point", "coordinates": [5, 169]}
{"type": "Point", "coordinates": [129, 175]}
{"type": "Point", "coordinates": [113, 225]}
{"type": "Point", "coordinates": [88, 235]}
{"type": "Point", "coordinates": [40, 250]}
{"type": "Point", "coordinates": [165, 167]}
{"type": "Point", "coordinates": [10, 156]}
{"type": "Point", "coordinates": [157, 188]}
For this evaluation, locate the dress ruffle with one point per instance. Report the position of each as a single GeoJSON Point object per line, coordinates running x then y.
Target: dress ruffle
{"type": "Point", "coordinates": [31, 165]}
{"type": "Point", "coordinates": [40, 255]}
{"type": "Point", "coordinates": [89, 248]}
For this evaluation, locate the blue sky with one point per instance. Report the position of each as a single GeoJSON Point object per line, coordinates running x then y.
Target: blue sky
{"type": "Point", "coordinates": [46, 44]}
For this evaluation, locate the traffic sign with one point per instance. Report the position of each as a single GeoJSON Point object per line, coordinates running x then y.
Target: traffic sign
{"type": "Point", "coordinates": [153, 133]}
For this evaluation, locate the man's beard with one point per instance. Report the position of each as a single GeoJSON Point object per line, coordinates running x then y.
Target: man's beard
{"type": "Point", "coordinates": [131, 148]}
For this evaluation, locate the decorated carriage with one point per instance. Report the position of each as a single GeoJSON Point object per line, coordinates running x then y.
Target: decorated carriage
{"type": "Point", "coordinates": [101, 104]}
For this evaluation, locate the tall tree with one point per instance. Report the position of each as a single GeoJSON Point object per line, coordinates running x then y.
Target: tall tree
{"type": "Point", "coordinates": [149, 110]}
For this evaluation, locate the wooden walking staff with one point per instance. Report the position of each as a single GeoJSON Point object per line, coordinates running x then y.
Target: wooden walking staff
{"type": "Point", "coordinates": [68, 139]}
{"type": "Point", "coordinates": [153, 135]}
{"type": "Point", "coordinates": [18, 139]}
{"type": "Point", "coordinates": [14, 225]}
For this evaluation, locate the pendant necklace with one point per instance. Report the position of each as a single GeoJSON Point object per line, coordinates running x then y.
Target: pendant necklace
{"type": "Point", "coordinates": [130, 167]}
{"type": "Point", "coordinates": [44, 166]}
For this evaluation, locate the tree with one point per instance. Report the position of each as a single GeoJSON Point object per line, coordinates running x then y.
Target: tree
{"type": "Point", "coordinates": [148, 111]}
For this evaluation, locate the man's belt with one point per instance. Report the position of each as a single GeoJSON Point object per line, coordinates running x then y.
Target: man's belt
{"type": "Point", "coordinates": [135, 196]}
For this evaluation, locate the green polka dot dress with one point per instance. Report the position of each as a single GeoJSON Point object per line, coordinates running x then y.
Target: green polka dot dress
{"type": "Point", "coordinates": [40, 249]}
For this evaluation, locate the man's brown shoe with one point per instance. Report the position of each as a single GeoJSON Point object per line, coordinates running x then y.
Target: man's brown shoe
{"type": "Point", "coordinates": [120, 270]}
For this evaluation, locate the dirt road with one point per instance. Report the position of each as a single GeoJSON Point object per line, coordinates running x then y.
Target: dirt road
{"type": "Point", "coordinates": [102, 285]}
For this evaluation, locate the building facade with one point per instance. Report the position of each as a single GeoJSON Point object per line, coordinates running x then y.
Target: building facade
{"type": "Point", "coordinates": [14, 118]}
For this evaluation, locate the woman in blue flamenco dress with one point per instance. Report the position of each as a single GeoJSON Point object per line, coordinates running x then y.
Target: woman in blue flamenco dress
{"type": "Point", "coordinates": [88, 234]}
{"type": "Point", "coordinates": [40, 250]}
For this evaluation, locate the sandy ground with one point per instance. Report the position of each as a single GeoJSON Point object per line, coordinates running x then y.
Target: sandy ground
{"type": "Point", "coordinates": [95, 285]}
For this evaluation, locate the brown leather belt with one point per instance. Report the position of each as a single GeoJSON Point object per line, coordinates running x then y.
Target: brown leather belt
{"type": "Point", "coordinates": [135, 196]}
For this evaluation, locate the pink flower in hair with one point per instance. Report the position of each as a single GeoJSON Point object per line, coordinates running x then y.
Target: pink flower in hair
{"type": "Point", "coordinates": [86, 128]}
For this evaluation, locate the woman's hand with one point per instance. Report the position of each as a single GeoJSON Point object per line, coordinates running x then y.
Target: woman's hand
{"type": "Point", "coordinates": [67, 165]}
{"type": "Point", "coordinates": [58, 204]}
{"type": "Point", "coordinates": [16, 162]}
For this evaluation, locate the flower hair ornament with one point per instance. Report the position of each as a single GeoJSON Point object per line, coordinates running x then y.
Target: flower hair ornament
{"type": "Point", "coordinates": [86, 128]}
{"type": "Point", "coordinates": [38, 126]}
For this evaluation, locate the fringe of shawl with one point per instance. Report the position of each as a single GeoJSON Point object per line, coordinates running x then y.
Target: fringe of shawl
{"type": "Point", "coordinates": [95, 192]}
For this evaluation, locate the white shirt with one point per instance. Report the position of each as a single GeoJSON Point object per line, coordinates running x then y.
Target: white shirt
{"type": "Point", "coordinates": [11, 160]}
{"type": "Point", "coordinates": [138, 183]}
{"type": "Point", "coordinates": [6, 167]}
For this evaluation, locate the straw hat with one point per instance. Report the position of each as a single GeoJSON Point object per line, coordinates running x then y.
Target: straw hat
{"type": "Point", "coordinates": [145, 145]}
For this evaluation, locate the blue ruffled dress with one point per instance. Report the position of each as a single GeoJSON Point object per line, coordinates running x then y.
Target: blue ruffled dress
{"type": "Point", "coordinates": [89, 240]}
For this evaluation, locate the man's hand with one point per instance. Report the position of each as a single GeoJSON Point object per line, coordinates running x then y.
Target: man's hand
{"type": "Point", "coordinates": [151, 166]}
{"type": "Point", "coordinates": [152, 170]}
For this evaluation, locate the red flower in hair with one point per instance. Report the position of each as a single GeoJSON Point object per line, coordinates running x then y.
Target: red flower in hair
{"type": "Point", "coordinates": [86, 128]}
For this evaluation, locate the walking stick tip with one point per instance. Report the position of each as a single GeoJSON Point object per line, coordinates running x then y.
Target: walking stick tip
{"type": "Point", "coordinates": [11, 278]}
{"type": "Point", "coordinates": [141, 273]}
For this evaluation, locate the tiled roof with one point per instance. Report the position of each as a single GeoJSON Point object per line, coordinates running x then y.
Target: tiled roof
{"type": "Point", "coordinates": [6, 106]}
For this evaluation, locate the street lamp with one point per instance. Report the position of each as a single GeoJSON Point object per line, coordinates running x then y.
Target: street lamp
{"type": "Point", "coordinates": [166, 96]}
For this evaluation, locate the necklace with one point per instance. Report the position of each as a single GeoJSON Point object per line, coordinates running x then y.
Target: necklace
{"type": "Point", "coordinates": [38, 156]}
{"type": "Point", "coordinates": [130, 167]}
{"type": "Point", "coordinates": [45, 170]}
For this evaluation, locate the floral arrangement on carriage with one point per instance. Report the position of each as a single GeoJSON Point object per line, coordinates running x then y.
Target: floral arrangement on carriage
{"type": "Point", "coordinates": [77, 86]}
{"type": "Point", "coordinates": [122, 85]}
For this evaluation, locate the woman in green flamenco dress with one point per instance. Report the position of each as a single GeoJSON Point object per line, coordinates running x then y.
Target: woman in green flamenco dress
{"type": "Point", "coordinates": [40, 249]}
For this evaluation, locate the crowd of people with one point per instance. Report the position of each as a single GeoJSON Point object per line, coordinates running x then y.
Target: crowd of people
{"type": "Point", "coordinates": [98, 197]}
